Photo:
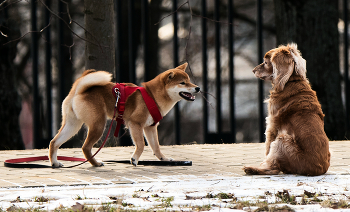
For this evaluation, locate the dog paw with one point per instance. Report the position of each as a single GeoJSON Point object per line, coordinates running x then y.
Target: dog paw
{"type": "Point", "coordinates": [133, 161]}
{"type": "Point", "coordinates": [56, 165]}
{"type": "Point", "coordinates": [166, 159]}
{"type": "Point", "coordinates": [99, 164]}
{"type": "Point", "coordinates": [250, 170]}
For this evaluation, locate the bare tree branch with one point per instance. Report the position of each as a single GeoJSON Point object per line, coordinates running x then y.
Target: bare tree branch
{"type": "Point", "coordinates": [68, 13]}
{"type": "Point", "coordinates": [3, 2]}
{"type": "Point", "coordinates": [3, 34]}
{"type": "Point", "coordinates": [57, 16]}
{"type": "Point", "coordinates": [237, 15]}
{"type": "Point", "coordinates": [170, 14]}
{"type": "Point", "coordinates": [189, 35]}
{"type": "Point", "coordinates": [9, 4]}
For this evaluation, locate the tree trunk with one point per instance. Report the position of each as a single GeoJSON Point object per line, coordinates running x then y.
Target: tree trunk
{"type": "Point", "coordinates": [99, 35]}
{"type": "Point", "coordinates": [10, 101]}
{"type": "Point", "coordinates": [313, 25]}
{"type": "Point", "coordinates": [99, 25]}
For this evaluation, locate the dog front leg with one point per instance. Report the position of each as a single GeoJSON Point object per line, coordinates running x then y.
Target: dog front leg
{"type": "Point", "coordinates": [270, 137]}
{"type": "Point", "coordinates": [151, 134]}
{"type": "Point", "coordinates": [137, 138]}
{"type": "Point", "coordinates": [270, 133]}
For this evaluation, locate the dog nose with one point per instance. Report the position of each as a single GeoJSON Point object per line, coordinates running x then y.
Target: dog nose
{"type": "Point", "coordinates": [198, 89]}
{"type": "Point", "coordinates": [254, 70]}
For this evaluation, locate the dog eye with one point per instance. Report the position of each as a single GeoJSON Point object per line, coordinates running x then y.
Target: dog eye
{"type": "Point", "coordinates": [182, 83]}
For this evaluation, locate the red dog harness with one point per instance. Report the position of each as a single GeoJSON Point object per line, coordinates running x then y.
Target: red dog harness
{"type": "Point", "coordinates": [121, 92]}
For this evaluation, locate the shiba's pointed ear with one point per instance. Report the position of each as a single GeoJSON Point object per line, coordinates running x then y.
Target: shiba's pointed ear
{"type": "Point", "coordinates": [171, 75]}
{"type": "Point", "coordinates": [182, 67]}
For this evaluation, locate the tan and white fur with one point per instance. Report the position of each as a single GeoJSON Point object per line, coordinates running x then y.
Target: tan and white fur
{"type": "Point", "coordinates": [296, 142]}
{"type": "Point", "coordinates": [91, 101]}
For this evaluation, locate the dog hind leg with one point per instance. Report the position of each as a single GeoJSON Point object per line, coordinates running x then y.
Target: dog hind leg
{"type": "Point", "coordinates": [261, 170]}
{"type": "Point", "coordinates": [70, 126]}
{"type": "Point", "coordinates": [270, 166]}
{"type": "Point", "coordinates": [95, 132]}
{"type": "Point", "coordinates": [151, 134]}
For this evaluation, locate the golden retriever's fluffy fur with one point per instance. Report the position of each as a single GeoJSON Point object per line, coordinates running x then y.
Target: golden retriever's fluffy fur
{"type": "Point", "coordinates": [295, 139]}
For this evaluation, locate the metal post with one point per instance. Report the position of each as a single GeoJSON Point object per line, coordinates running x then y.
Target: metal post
{"type": "Point", "coordinates": [119, 49]}
{"type": "Point", "coordinates": [346, 66]}
{"type": "Point", "coordinates": [205, 71]}
{"type": "Point", "coordinates": [34, 45]}
{"type": "Point", "coordinates": [218, 66]}
{"type": "Point", "coordinates": [260, 60]}
{"type": "Point", "coordinates": [131, 40]}
{"type": "Point", "coordinates": [48, 70]}
{"type": "Point", "coordinates": [61, 67]}
{"type": "Point", "coordinates": [231, 71]}
{"type": "Point", "coordinates": [145, 31]}
{"type": "Point", "coordinates": [176, 63]}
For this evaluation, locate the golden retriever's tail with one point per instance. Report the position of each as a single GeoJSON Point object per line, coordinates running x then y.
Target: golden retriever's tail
{"type": "Point", "coordinates": [92, 78]}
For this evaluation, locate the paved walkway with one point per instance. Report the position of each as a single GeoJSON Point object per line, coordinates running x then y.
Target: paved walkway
{"type": "Point", "coordinates": [208, 161]}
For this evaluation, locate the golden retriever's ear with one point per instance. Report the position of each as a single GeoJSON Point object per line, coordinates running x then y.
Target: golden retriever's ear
{"type": "Point", "coordinates": [182, 67]}
{"type": "Point", "coordinates": [300, 63]}
{"type": "Point", "coordinates": [283, 67]}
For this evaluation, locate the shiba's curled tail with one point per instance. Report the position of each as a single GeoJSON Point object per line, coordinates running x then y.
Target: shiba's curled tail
{"type": "Point", "coordinates": [92, 78]}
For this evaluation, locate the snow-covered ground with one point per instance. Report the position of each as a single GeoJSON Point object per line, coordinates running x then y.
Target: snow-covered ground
{"type": "Point", "coordinates": [321, 193]}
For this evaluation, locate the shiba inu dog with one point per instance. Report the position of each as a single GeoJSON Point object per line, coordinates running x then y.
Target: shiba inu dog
{"type": "Point", "coordinates": [91, 101]}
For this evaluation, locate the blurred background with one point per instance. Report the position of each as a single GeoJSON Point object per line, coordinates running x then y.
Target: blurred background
{"type": "Point", "coordinates": [46, 45]}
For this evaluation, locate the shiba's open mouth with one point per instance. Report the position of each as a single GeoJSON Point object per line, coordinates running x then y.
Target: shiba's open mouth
{"type": "Point", "coordinates": [187, 96]}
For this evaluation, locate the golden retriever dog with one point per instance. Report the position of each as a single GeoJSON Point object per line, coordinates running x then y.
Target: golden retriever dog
{"type": "Point", "coordinates": [91, 101]}
{"type": "Point", "coordinates": [295, 139]}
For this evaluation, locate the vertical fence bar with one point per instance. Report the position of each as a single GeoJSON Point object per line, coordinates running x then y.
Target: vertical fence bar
{"type": "Point", "coordinates": [176, 63]}
{"type": "Point", "coordinates": [231, 71]}
{"type": "Point", "coordinates": [145, 31]}
{"type": "Point", "coordinates": [260, 60]}
{"type": "Point", "coordinates": [34, 51]}
{"type": "Point", "coordinates": [346, 66]}
{"type": "Point", "coordinates": [218, 66]}
{"type": "Point", "coordinates": [205, 70]}
{"type": "Point", "coordinates": [61, 69]}
{"type": "Point", "coordinates": [119, 49]}
{"type": "Point", "coordinates": [131, 41]}
{"type": "Point", "coordinates": [48, 69]}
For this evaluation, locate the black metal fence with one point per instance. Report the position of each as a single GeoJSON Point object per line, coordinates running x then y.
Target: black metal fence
{"type": "Point", "coordinates": [209, 137]}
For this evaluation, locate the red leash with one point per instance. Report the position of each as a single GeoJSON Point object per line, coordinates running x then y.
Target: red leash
{"type": "Point", "coordinates": [121, 93]}
{"type": "Point", "coordinates": [18, 162]}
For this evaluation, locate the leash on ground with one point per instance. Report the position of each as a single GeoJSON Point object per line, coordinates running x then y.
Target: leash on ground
{"type": "Point", "coordinates": [22, 162]}
{"type": "Point", "coordinates": [117, 90]}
